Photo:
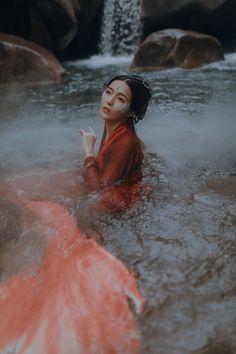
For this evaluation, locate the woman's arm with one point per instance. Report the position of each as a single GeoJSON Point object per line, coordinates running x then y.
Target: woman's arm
{"type": "Point", "coordinates": [120, 160]}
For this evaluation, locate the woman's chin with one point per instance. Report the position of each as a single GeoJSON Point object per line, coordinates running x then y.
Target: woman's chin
{"type": "Point", "coordinates": [103, 114]}
{"type": "Point", "coordinates": [106, 117]}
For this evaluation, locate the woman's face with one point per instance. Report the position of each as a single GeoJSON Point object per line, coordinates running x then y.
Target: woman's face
{"type": "Point", "coordinates": [115, 103]}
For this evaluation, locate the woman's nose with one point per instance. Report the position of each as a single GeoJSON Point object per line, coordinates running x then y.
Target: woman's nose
{"type": "Point", "coordinates": [110, 100]}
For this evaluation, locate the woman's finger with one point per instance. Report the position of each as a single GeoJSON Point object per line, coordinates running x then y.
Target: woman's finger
{"type": "Point", "coordinates": [82, 132]}
{"type": "Point", "coordinates": [91, 130]}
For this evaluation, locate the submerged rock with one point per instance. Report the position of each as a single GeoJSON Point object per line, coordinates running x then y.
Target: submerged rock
{"type": "Point", "coordinates": [176, 48]}
{"type": "Point", "coordinates": [22, 61]}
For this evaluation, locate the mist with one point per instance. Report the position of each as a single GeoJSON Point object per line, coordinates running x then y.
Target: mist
{"type": "Point", "coordinates": [35, 138]}
{"type": "Point", "coordinates": [206, 139]}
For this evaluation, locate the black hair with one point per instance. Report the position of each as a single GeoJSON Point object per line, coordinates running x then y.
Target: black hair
{"type": "Point", "coordinates": [140, 97]}
{"type": "Point", "coordinates": [141, 94]}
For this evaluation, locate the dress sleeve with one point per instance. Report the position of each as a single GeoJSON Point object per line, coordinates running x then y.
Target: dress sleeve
{"type": "Point", "coordinates": [118, 162]}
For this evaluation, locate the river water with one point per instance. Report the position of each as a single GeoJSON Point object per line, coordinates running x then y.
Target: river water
{"type": "Point", "coordinates": [181, 242]}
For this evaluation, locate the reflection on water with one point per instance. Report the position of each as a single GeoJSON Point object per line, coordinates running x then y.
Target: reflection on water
{"type": "Point", "coordinates": [181, 243]}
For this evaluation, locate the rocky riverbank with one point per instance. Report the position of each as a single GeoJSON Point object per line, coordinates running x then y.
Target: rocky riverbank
{"type": "Point", "coordinates": [183, 33]}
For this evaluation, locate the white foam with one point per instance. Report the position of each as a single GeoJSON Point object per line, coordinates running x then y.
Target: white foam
{"type": "Point", "coordinates": [229, 63]}
{"type": "Point", "coordinates": [98, 61]}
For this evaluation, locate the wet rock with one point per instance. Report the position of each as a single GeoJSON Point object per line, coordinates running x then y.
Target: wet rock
{"type": "Point", "coordinates": [86, 40]}
{"type": "Point", "coordinates": [10, 225]}
{"type": "Point", "coordinates": [53, 22]}
{"type": "Point", "coordinates": [25, 62]}
{"type": "Point", "coordinates": [214, 17]}
{"type": "Point", "coordinates": [176, 48]}
{"type": "Point", "coordinates": [224, 186]}
{"type": "Point", "coordinates": [67, 28]}
{"type": "Point", "coordinates": [10, 218]}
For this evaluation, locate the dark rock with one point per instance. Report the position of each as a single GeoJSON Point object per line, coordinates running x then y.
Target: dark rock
{"type": "Point", "coordinates": [214, 17]}
{"type": "Point", "coordinates": [53, 23]}
{"type": "Point", "coordinates": [176, 48]}
{"type": "Point", "coordinates": [25, 62]}
{"type": "Point", "coordinates": [10, 221]}
{"type": "Point", "coordinates": [14, 17]}
{"type": "Point", "coordinates": [86, 40]}
{"type": "Point", "coordinates": [70, 29]}
{"type": "Point", "coordinates": [10, 225]}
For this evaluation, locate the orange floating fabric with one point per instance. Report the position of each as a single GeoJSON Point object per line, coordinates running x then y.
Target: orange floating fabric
{"type": "Point", "coordinates": [76, 302]}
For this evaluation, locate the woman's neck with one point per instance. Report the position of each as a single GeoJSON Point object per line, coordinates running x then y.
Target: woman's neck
{"type": "Point", "coordinates": [111, 127]}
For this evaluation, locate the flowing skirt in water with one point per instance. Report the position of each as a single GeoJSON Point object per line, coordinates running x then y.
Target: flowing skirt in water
{"type": "Point", "coordinates": [77, 300]}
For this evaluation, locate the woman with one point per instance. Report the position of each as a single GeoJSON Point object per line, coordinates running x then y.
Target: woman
{"type": "Point", "coordinates": [116, 171]}
{"type": "Point", "coordinates": [112, 179]}
{"type": "Point", "coordinates": [75, 300]}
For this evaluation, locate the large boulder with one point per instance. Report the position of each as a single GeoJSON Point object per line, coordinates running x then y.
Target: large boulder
{"type": "Point", "coordinates": [214, 17]}
{"type": "Point", "coordinates": [53, 23]}
{"type": "Point", "coordinates": [22, 61]}
{"type": "Point", "coordinates": [86, 40]}
{"type": "Point", "coordinates": [176, 48]}
{"type": "Point", "coordinates": [69, 28]}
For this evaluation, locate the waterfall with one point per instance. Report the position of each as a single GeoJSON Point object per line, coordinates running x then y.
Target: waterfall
{"type": "Point", "coordinates": [121, 29]}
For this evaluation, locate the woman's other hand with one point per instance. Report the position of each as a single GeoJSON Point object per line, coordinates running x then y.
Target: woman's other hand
{"type": "Point", "coordinates": [88, 140]}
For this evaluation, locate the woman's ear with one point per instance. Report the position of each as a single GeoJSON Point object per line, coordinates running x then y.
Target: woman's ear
{"type": "Point", "coordinates": [131, 114]}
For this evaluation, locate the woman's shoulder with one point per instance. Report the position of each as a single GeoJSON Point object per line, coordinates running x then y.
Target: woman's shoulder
{"type": "Point", "coordinates": [127, 137]}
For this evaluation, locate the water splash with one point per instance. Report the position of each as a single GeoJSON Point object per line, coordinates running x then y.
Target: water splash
{"type": "Point", "coordinates": [99, 61]}
{"type": "Point", "coordinates": [228, 64]}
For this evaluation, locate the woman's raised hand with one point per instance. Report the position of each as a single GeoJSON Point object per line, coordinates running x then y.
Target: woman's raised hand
{"type": "Point", "coordinates": [88, 139]}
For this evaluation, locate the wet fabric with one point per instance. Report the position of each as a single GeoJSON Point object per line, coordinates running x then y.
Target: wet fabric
{"type": "Point", "coordinates": [119, 160]}
{"type": "Point", "coordinates": [116, 172]}
{"type": "Point", "coordinates": [76, 302]}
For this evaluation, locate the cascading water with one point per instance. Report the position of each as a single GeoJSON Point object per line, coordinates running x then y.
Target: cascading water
{"type": "Point", "coordinates": [121, 30]}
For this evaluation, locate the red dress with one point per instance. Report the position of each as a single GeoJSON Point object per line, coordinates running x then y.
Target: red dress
{"type": "Point", "coordinates": [116, 171]}
{"type": "Point", "coordinates": [75, 302]}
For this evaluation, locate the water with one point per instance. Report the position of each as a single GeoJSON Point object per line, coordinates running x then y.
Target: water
{"type": "Point", "coordinates": [181, 243]}
{"type": "Point", "coordinates": [122, 28]}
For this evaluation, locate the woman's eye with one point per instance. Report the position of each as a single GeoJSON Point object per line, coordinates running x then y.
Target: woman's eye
{"type": "Point", "coordinates": [108, 92]}
{"type": "Point", "coordinates": [121, 99]}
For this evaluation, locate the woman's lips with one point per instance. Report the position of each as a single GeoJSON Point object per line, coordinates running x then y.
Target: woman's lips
{"type": "Point", "coordinates": [105, 109]}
